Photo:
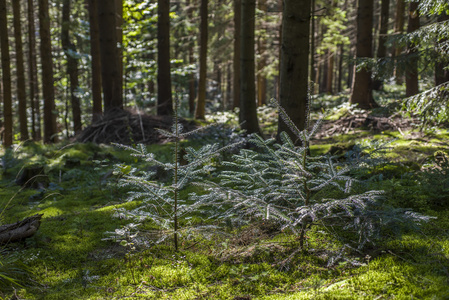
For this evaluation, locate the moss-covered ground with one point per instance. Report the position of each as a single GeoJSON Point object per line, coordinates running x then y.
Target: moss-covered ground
{"type": "Point", "coordinates": [69, 257]}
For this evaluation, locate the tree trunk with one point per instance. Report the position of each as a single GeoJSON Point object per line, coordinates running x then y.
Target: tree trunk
{"type": "Point", "coordinates": [312, 46]}
{"type": "Point", "coordinates": [248, 109]}
{"type": "Point", "coordinates": [110, 59]}
{"type": "Point", "coordinates": [236, 59]}
{"type": "Point", "coordinates": [411, 74]}
{"type": "Point", "coordinates": [21, 90]}
{"type": "Point", "coordinates": [398, 29]}
{"type": "Point", "coordinates": [72, 65]}
{"type": "Point", "coordinates": [119, 31]}
{"type": "Point", "coordinates": [164, 99]}
{"type": "Point", "coordinates": [32, 69]}
{"type": "Point", "coordinates": [95, 59]}
{"type": "Point", "coordinates": [191, 62]}
{"type": "Point", "coordinates": [261, 62]}
{"type": "Point", "coordinates": [228, 95]}
{"type": "Point", "coordinates": [6, 76]}
{"type": "Point", "coordinates": [441, 75]}
{"type": "Point", "coordinates": [383, 31]}
{"type": "Point", "coordinates": [340, 68]}
{"type": "Point", "coordinates": [362, 93]}
{"type": "Point", "coordinates": [294, 64]}
{"type": "Point", "coordinates": [50, 129]}
{"type": "Point", "coordinates": [201, 101]}
{"type": "Point", "coordinates": [330, 73]}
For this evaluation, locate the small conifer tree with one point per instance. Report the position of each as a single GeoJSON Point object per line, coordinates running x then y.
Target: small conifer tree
{"type": "Point", "coordinates": [161, 202]}
{"type": "Point", "coordinates": [283, 181]}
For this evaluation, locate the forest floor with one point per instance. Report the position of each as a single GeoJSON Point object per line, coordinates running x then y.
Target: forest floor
{"type": "Point", "coordinates": [71, 256]}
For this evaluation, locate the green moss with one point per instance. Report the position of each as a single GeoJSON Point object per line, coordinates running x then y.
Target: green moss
{"type": "Point", "coordinates": [70, 259]}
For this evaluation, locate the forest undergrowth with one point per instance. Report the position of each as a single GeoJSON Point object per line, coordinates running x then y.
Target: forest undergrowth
{"type": "Point", "coordinates": [256, 256]}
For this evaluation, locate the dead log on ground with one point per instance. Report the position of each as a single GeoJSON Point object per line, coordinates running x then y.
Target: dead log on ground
{"type": "Point", "coordinates": [21, 230]}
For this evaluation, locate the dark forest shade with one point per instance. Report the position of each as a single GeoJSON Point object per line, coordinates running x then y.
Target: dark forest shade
{"type": "Point", "coordinates": [6, 76]}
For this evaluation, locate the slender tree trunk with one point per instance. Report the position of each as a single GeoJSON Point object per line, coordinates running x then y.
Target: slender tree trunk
{"type": "Point", "coordinates": [32, 69]}
{"type": "Point", "coordinates": [248, 109]}
{"type": "Point", "coordinates": [201, 101]}
{"type": "Point", "coordinates": [340, 68]}
{"type": "Point", "coordinates": [294, 64]}
{"type": "Point", "coordinates": [95, 59]}
{"type": "Point", "coordinates": [362, 93]}
{"type": "Point", "coordinates": [261, 62]}
{"type": "Point", "coordinates": [411, 74]}
{"type": "Point", "coordinates": [6, 76]}
{"type": "Point", "coordinates": [228, 96]}
{"type": "Point", "coordinates": [21, 90]}
{"type": "Point", "coordinates": [441, 75]}
{"type": "Point", "coordinates": [164, 99]}
{"type": "Point", "coordinates": [119, 31]}
{"type": "Point", "coordinates": [383, 31]}
{"type": "Point", "coordinates": [72, 66]}
{"type": "Point", "coordinates": [50, 129]}
{"type": "Point", "coordinates": [110, 59]}
{"type": "Point", "coordinates": [236, 63]}
{"type": "Point", "coordinates": [191, 61]}
{"type": "Point", "coordinates": [330, 73]}
{"type": "Point", "coordinates": [398, 29]}
{"type": "Point", "coordinates": [312, 45]}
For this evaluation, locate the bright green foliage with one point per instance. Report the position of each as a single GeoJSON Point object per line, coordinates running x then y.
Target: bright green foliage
{"type": "Point", "coordinates": [431, 106]}
{"type": "Point", "coordinates": [335, 24]}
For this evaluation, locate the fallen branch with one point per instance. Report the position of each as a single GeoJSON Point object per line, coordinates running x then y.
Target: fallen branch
{"type": "Point", "coordinates": [21, 230]}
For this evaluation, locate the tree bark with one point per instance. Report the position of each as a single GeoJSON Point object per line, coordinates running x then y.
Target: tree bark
{"type": "Point", "coordinates": [95, 59]}
{"type": "Point", "coordinates": [19, 231]}
{"type": "Point", "coordinates": [411, 71]}
{"type": "Point", "coordinates": [164, 99]}
{"type": "Point", "coordinates": [201, 101]}
{"type": "Point", "coordinates": [72, 66]}
{"type": "Point", "coordinates": [383, 31]}
{"type": "Point", "coordinates": [236, 60]}
{"type": "Point", "coordinates": [119, 31]}
{"type": "Point", "coordinates": [261, 62]}
{"type": "Point", "coordinates": [110, 59]}
{"type": "Point", "coordinates": [294, 64]}
{"type": "Point", "coordinates": [6, 76]}
{"type": "Point", "coordinates": [21, 90]}
{"type": "Point", "coordinates": [362, 93]}
{"type": "Point", "coordinates": [32, 69]}
{"type": "Point", "coordinates": [50, 129]}
{"type": "Point", "coordinates": [191, 61]}
{"type": "Point", "coordinates": [248, 109]}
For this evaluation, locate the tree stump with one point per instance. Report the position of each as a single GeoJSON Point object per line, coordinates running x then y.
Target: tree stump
{"type": "Point", "coordinates": [21, 230]}
{"type": "Point", "coordinates": [32, 177]}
